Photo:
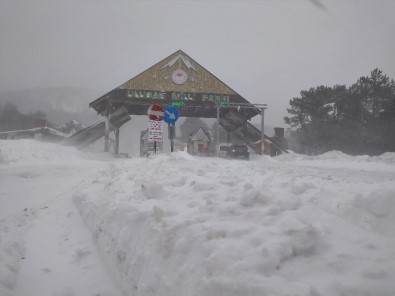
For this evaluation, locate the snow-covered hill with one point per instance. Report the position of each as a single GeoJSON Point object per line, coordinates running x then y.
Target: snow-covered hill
{"type": "Point", "coordinates": [74, 223]}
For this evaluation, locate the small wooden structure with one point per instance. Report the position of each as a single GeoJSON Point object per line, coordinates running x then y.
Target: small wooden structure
{"type": "Point", "coordinates": [275, 145]}
{"type": "Point", "coordinates": [199, 142]}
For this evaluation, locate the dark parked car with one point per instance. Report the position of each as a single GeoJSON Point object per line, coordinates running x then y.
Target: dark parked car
{"type": "Point", "coordinates": [239, 152]}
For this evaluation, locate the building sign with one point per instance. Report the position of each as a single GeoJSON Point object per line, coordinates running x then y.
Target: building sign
{"type": "Point", "coordinates": [178, 104]}
{"type": "Point", "coordinates": [142, 94]}
{"type": "Point", "coordinates": [215, 98]}
{"type": "Point", "coordinates": [179, 76]}
{"type": "Point", "coordinates": [177, 96]}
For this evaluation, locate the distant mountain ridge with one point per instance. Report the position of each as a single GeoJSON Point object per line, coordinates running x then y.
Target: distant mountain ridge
{"type": "Point", "coordinates": [60, 104]}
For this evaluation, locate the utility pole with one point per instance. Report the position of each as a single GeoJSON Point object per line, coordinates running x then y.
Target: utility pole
{"type": "Point", "coordinates": [107, 133]}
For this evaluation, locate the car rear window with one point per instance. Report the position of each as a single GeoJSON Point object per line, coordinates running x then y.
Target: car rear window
{"type": "Point", "coordinates": [240, 147]}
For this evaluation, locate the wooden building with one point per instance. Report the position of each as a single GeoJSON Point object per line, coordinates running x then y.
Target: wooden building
{"type": "Point", "coordinates": [199, 142]}
{"type": "Point", "coordinates": [180, 81]}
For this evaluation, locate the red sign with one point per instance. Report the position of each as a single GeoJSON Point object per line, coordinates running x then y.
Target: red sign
{"type": "Point", "coordinates": [155, 112]}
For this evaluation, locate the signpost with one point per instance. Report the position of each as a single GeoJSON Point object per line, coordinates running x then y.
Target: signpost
{"type": "Point", "coordinates": [155, 130]}
{"type": "Point", "coordinates": [171, 115]}
{"type": "Point", "coordinates": [155, 114]}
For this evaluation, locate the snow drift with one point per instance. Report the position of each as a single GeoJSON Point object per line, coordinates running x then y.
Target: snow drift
{"type": "Point", "coordinates": [174, 224]}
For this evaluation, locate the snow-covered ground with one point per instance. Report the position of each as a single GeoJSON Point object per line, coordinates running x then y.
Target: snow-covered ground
{"type": "Point", "coordinates": [75, 223]}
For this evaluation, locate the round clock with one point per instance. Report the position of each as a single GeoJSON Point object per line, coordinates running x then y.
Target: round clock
{"type": "Point", "coordinates": [179, 76]}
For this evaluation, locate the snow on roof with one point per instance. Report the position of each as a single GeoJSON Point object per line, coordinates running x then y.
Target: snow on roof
{"type": "Point", "coordinates": [200, 135]}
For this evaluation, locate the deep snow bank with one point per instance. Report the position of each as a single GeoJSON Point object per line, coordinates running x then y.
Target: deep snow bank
{"type": "Point", "coordinates": [42, 239]}
{"type": "Point", "coordinates": [178, 225]}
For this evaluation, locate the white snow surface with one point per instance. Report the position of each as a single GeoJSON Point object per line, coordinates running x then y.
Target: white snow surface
{"type": "Point", "coordinates": [78, 223]}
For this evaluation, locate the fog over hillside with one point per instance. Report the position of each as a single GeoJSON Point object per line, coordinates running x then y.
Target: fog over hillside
{"type": "Point", "coordinates": [60, 104]}
{"type": "Point", "coordinates": [56, 100]}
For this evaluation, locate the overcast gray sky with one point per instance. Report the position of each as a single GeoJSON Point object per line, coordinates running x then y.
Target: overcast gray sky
{"type": "Point", "coordinates": [267, 50]}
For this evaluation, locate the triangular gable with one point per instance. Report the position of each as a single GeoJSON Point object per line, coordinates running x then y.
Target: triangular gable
{"type": "Point", "coordinates": [178, 73]}
{"type": "Point", "coordinates": [179, 81]}
{"type": "Point", "coordinates": [200, 135]}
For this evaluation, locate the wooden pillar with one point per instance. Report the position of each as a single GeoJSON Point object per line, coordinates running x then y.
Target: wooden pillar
{"type": "Point", "coordinates": [262, 131]}
{"type": "Point", "coordinates": [116, 141]}
{"type": "Point", "coordinates": [107, 134]}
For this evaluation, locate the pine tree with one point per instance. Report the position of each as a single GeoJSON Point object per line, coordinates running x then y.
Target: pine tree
{"type": "Point", "coordinates": [376, 95]}
{"type": "Point", "coordinates": [314, 117]}
{"type": "Point", "coordinates": [355, 120]}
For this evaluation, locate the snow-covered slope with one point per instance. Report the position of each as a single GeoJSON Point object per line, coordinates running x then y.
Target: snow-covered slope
{"type": "Point", "coordinates": [174, 224]}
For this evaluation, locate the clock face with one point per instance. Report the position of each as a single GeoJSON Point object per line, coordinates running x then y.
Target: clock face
{"type": "Point", "coordinates": [179, 76]}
